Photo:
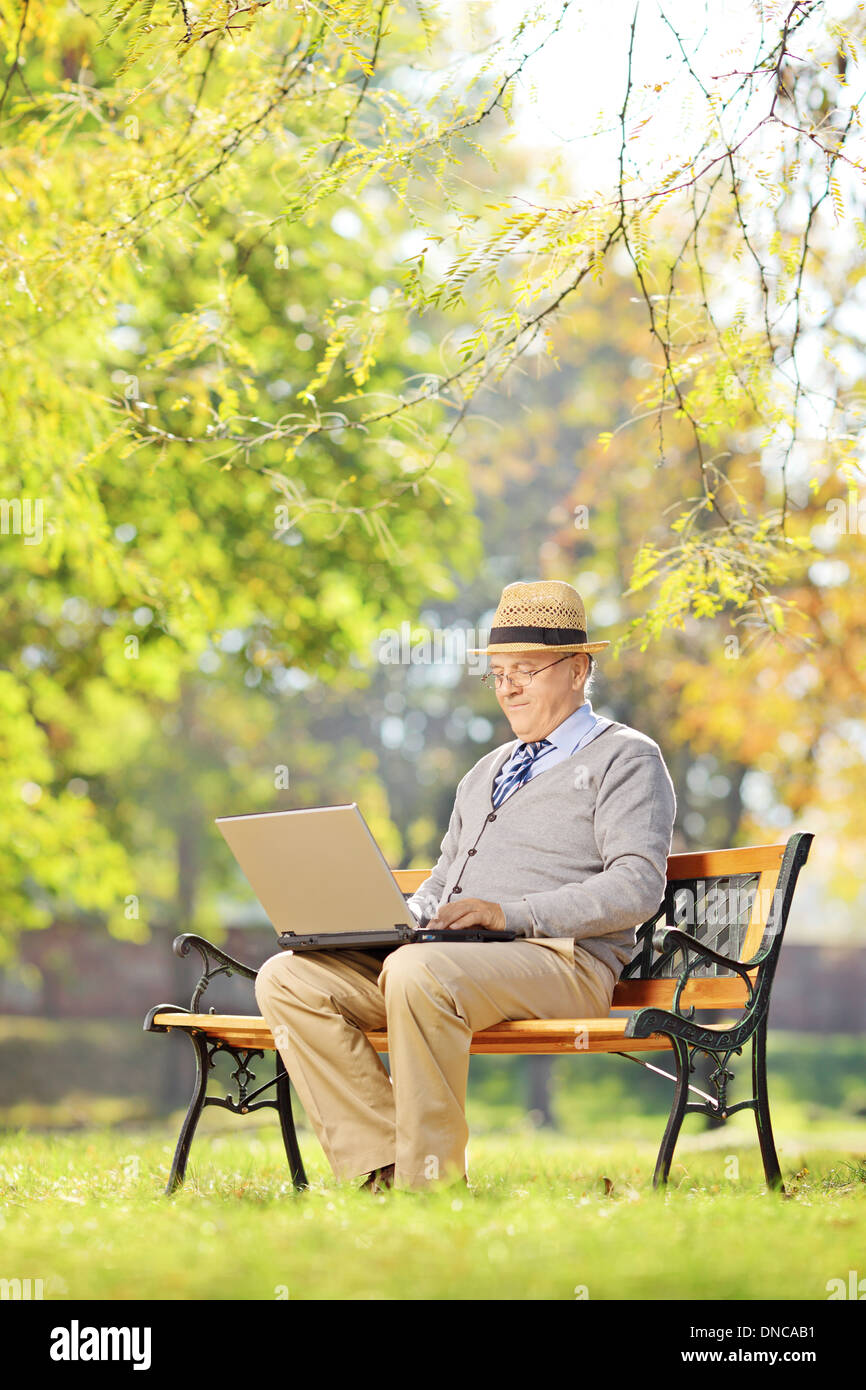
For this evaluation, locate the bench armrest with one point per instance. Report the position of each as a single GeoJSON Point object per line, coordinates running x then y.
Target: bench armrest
{"type": "Point", "coordinates": [214, 962]}
{"type": "Point", "coordinates": [679, 1021]}
{"type": "Point", "coordinates": [669, 938]}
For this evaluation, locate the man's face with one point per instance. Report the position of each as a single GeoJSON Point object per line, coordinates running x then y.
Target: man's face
{"type": "Point", "coordinates": [536, 709]}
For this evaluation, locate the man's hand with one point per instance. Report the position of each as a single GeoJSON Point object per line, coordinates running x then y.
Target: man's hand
{"type": "Point", "coordinates": [469, 912]}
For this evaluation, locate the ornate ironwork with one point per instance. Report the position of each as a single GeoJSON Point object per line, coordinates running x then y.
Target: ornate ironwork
{"type": "Point", "coordinates": [734, 895]}
{"type": "Point", "coordinates": [217, 962]}
{"type": "Point", "coordinates": [657, 948]}
{"type": "Point", "coordinates": [227, 965]}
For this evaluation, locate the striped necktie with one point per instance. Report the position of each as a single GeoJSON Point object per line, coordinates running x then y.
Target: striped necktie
{"type": "Point", "coordinates": [518, 770]}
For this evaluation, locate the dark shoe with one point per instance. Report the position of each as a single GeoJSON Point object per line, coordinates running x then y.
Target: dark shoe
{"type": "Point", "coordinates": [379, 1179]}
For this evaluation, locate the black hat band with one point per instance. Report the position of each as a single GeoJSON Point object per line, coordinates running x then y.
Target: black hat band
{"type": "Point", "coordinates": [550, 636]}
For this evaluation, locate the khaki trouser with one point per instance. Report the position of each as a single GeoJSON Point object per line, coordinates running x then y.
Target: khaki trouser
{"type": "Point", "coordinates": [431, 996]}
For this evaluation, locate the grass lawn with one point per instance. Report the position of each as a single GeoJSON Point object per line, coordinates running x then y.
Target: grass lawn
{"type": "Point", "coordinates": [545, 1218]}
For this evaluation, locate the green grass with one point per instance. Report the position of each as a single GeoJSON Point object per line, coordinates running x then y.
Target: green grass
{"type": "Point", "coordinates": [544, 1216]}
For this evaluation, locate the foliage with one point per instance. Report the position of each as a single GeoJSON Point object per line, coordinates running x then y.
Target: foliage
{"type": "Point", "coordinates": [225, 230]}
{"type": "Point", "coordinates": [159, 558]}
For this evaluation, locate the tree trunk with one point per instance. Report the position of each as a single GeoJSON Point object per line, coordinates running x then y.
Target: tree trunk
{"type": "Point", "coordinates": [539, 1091]}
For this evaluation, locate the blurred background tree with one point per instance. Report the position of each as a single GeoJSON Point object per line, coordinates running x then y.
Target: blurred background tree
{"type": "Point", "coordinates": [301, 344]}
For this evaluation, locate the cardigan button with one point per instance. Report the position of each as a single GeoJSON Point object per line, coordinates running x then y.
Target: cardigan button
{"type": "Point", "coordinates": [492, 816]}
{"type": "Point", "coordinates": [472, 851]}
{"type": "Point", "coordinates": [457, 890]}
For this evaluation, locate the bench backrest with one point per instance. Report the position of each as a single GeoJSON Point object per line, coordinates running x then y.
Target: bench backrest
{"type": "Point", "coordinates": [734, 900]}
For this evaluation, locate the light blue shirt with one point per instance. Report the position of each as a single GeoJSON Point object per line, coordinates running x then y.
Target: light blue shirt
{"type": "Point", "coordinates": [581, 727]}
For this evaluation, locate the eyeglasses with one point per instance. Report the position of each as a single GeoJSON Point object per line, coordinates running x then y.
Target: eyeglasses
{"type": "Point", "coordinates": [498, 677]}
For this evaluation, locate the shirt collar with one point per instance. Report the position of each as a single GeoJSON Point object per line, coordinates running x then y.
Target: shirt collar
{"type": "Point", "coordinates": [568, 734]}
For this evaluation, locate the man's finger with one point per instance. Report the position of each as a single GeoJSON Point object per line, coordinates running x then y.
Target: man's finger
{"type": "Point", "coordinates": [467, 917]}
{"type": "Point", "coordinates": [452, 915]}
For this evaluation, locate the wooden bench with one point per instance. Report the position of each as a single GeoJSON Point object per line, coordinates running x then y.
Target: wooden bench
{"type": "Point", "coordinates": [713, 943]}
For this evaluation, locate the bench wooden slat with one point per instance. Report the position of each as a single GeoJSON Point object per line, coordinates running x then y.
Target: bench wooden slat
{"type": "Point", "coordinates": [518, 1035]}
{"type": "Point", "coordinates": [703, 992]}
{"type": "Point", "coordinates": [410, 879]}
{"type": "Point", "coordinates": [709, 863]}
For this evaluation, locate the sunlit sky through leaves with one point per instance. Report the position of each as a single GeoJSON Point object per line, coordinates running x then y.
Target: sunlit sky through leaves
{"type": "Point", "coordinates": [572, 89]}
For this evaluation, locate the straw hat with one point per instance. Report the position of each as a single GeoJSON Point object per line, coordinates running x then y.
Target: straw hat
{"type": "Point", "coordinates": [544, 615]}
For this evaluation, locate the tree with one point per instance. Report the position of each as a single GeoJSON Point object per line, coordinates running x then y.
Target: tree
{"type": "Point", "coordinates": [773, 138]}
{"type": "Point", "coordinates": [183, 182]}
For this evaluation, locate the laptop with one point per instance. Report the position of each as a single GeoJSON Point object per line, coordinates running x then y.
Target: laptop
{"type": "Point", "coordinates": [324, 883]}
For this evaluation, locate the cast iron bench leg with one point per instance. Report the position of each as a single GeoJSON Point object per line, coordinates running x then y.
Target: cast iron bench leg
{"type": "Point", "coordinates": [196, 1105]}
{"type": "Point", "coordinates": [678, 1110]}
{"type": "Point", "coordinates": [772, 1171]}
{"type": "Point", "coordinates": [287, 1124]}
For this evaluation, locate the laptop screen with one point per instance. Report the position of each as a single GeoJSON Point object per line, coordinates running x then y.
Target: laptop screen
{"type": "Point", "coordinates": [316, 870]}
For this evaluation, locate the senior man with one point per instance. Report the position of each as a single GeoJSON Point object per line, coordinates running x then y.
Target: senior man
{"type": "Point", "coordinates": [561, 835]}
